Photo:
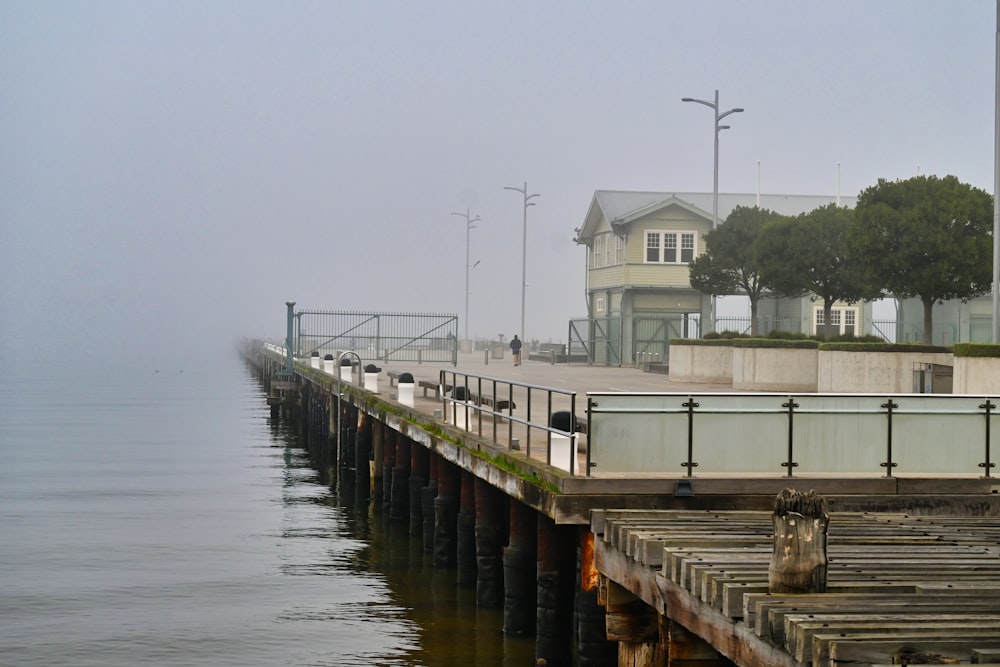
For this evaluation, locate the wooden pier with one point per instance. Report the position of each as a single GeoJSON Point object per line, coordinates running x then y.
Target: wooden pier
{"type": "Point", "coordinates": [650, 569]}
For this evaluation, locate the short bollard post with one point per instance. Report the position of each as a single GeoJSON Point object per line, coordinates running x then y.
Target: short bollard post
{"type": "Point", "coordinates": [346, 370]}
{"type": "Point", "coordinates": [371, 378]}
{"type": "Point", "coordinates": [314, 361]}
{"type": "Point", "coordinates": [328, 364]}
{"type": "Point", "coordinates": [405, 385]}
{"type": "Point", "coordinates": [799, 561]}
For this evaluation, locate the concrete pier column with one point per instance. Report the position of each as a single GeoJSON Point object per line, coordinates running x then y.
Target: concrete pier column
{"type": "Point", "coordinates": [465, 540]}
{"type": "Point", "coordinates": [592, 646]}
{"type": "Point", "coordinates": [418, 480]}
{"type": "Point", "coordinates": [427, 496]}
{"type": "Point", "coordinates": [556, 546]}
{"type": "Point", "coordinates": [387, 461]}
{"type": "Point", "coordinates": [446, 514]}
{"type": "Point", "coordinates": [519, 568]}
{"type": "Point", "coordinates": [399, 500]}
{"type": "Point", "coordinates": [490, 508]}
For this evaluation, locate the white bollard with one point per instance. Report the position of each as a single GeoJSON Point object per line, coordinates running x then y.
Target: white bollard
{"type": "Point", "coordinates": [562, 452]}
{"type": "Point", "coordinates": [314, 360]}
{"type": "Point", "coordinates": [406, 386]}
{"type": "Point", "coordinates": [346, 370]}
{"type": "Point", "coordinates": [328, 362]}
{"type": "Point", "coordinates": [371, 378]}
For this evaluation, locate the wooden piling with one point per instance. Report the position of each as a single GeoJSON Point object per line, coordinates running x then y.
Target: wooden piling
{"type": "Point", "coordinates": [798, 561]}
{"type": "Point", "coordinates": [465, 547]}
{"type": "Point", "coordinates": [490, 505]}
{"type": "Point", "coordinates": [519, 572]}
{"type": "Point", "coordinates": [446, 514]}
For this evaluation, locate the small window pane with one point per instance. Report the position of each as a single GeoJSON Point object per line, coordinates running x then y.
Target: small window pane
{"type": "Point", "coordinates": [652, 247]}
{"type": "Point", "coordinates": [670, 248]}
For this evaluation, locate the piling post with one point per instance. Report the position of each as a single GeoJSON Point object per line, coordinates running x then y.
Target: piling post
{"type": "Point", "coordinates": [592, 645]}
{"type": "Point", "coordinates": [519, 568]}
{"type": "Point", "coordinates": [388, 463]}
{"type": "Point", "coordinates": [427, 496]}
{"type": "Point", "coordinates": [489, 532]}
{"type": "Point", "coordinates": [399, 501]}
{"type": "Point", "coordinates": [362, 453]}
{"type": "Point", "coordinates": [418, 479]}
{"type": "Point", "coordinates": [554, 600]}
{"type": "Point", "coordinates": [465, 540]}
{"type": "Point", "coordinates": [799, 560]}
{"type": "Point", "coordinates": [446, 514]}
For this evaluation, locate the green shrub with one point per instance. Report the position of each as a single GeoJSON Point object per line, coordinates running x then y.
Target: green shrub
{"type": "Point", "coordinates": [880, 347]}
{"type": "Point", "coordinates": [798, 344]}
{"type": "Point", "coordinates": [977, 350]}
{"type": "Point", "coordinates": [708, 342]}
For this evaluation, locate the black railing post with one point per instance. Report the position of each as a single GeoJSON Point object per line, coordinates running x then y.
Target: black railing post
{"type": "Point", "coordinates": [888, 464]}
{"type": "Point", "coordinates": [690, 464]}
{"type": "Point", "coordinates": [790, 463]}
{"type": "Point", "coordinates": [988, 406]}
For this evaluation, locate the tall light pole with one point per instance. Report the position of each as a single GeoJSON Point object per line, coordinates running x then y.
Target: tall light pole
{"type": "Point", "coordinates": [469, 226]}
{"type": "Point", "coordinates": [524, 244]}
{"type": "Point", "coordinates": [714, 106]}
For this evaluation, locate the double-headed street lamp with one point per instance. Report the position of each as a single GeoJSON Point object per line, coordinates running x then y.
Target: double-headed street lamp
{"type": "Point", "coordinates": [469, 226]}
{"type": "Point", "coordinates": [524, 244]}
{"type": "Point", "coordinates": [714, 106]}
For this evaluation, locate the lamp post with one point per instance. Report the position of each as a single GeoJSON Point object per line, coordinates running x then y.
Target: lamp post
{"type": "Point", "coordinates": [469, 226]}
{"type": "Point", "coordinates": [524, 244]}
{"type": "Point", "coordinates": [714, 106]}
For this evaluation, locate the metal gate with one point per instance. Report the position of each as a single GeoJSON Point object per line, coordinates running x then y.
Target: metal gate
{"type": "Point", "coordinates": [651, 335]}
{"type": "Point", "coordinates": [599, 340]}
{"type": "Point", "coordinates": [418, 337]}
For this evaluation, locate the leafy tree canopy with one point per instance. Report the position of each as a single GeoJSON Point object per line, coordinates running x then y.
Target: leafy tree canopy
{"type": "Point", "coordinates": [925, 237]}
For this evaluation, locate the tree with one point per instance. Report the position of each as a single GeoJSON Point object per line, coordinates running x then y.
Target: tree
{"type": "Point", "coordinates": [810, 254]}
{"type": "Point", "coordinates": [925, 237]}
{"type": "Point", "coordinates": [729, 265]}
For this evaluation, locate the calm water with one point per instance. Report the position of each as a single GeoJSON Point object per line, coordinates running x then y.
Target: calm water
{"type": "Point", "coordinates": [161, 518]}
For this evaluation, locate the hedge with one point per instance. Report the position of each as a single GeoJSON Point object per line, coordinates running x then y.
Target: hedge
{"type": "Point", "coordinates": [977, 350]}
{"type": "Point", "coordinates": [776, 343]}
{"type": "Point", "coordinates": [881, 347]}
{"type": "Point", "coordinates": [717, 342]}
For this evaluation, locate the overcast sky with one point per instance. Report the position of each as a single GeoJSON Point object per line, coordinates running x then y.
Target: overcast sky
{"type": "Point", "coordinates": [172, 172]}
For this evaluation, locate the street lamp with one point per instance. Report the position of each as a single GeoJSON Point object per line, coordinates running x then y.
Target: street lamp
{"type": "Point", "coordinates": [524, 244]}
{"type": "Point", "coordinates": [469, 226]}
{"type": "Point", "coordinates": [714, 106]}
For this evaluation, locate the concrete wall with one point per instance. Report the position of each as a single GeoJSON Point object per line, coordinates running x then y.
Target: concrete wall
{"type": "Point", "coordinates": [773, 369]}
{"type": "Point", "coordinates": [976, 375]}
{"type": "Point", "coordinates": [701, 363]}
{"type": "Point", "coordinates": [872, 372]}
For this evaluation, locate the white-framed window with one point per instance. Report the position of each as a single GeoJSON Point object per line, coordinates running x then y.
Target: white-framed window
{"type": "Point", "coordinates": [599, 305]}
{"type": "Point", "coordinates": [844, 320]}
{"type": "Point", "coordinates": [670, 247]}
{"type": "Point", "coordinates": [599, 253]}
{"type": "Point", "coordinates": [619, 250]}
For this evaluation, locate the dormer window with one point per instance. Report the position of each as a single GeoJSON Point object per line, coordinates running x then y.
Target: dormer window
{"type": "Point", "coordinates": [670, 247]}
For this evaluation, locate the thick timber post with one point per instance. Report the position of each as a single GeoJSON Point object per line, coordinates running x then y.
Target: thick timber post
{"type": "Point", "coordinates": [446, 514]}
{"type": "Point", "coordinates": [554, 602]}
{"type": "Point", "coordinates": [418, 479]}
{"type": "Point", "coordinates": [798, 561]}
{"type": "Point", "coordinates": [635, 626]}
{"type": "Point", "coordinates": [519, 568]}
{"type": "Point", "coordinates": [465, 540]}
{"type": "Point", "coordinates": [362, 453]}
{"type": "Point", "coordinates": [683, 647]}
{"type": "Point", "coordinates": [427, 496]}
{"type": "Point", "coordinates": [489, 532]}
{"type": "Point", "coordinates": [592, 646]}
{"type": "Point", "coordinates": [388, 462]}
{"type": "Point", "coordinates": [399, 500]}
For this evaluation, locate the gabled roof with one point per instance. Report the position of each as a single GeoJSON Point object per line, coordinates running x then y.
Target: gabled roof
{"type": "Point", "coordinates": [620, 207]}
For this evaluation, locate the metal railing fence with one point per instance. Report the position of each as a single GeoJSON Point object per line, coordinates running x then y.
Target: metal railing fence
{"type": "Point", "coordinates": [522, 409]}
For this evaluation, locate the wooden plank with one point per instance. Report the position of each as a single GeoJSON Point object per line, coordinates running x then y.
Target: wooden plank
{"type": "Point", "coordinates": [830, 649]}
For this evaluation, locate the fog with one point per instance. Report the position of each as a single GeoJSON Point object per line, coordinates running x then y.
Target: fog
{"type": "Point", "coordinates": [172, 172]}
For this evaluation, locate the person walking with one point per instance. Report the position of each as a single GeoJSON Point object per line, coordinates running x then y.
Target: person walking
{"type": "Point", "coordinates": [515, 349]}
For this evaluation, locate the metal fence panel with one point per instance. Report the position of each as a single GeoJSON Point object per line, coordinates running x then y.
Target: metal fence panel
{"type": "Point", "coordinates": [419, 337]}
